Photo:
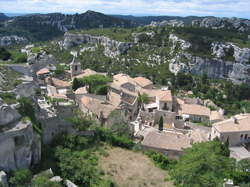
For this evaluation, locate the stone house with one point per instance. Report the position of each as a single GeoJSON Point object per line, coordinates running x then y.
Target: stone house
{"type": "Point", "coordinates": [95, 107]}
{"type": "Point", "coordinates": [158, 99]}
{"type": "Point", "coordinates": [168, 143]}
{"type": "Point", "coordinates": [143, 82]}
{"type": "Point", "coordinates": [62, 87]}
{"type": "Point", "coordinates": [43, 73]}
{"type": "Point", "coordinates": [194, 112]}
{"type": "Point", "coordinates": [122, 92]}
{"type": "Point", "coordinates": [236, 130]}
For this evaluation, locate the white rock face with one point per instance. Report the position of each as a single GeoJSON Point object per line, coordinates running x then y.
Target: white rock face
{"type": "Point", "coordinates": [3, 179]}
{"type": "Point", "coordinates": [8, 115]}
{"type": "Point", "coordinates": [70, 184]}
{"type": "Point", "coordinates": [11, 40]}
{"type": "Point", "coordinates": [56, 179]}
{"type": "Point", "coordinates": [173, 23]}
{"type": "Point", "coordinates": [239, 24]}
{"type": "Point", "coordinates": [241, 55]}
{"type": "Point", "coordinates": [112, 47]}
{"type": "Point", "coordinates": [184, 45]}
{"type": "Point", "coordinates": [19, 145]}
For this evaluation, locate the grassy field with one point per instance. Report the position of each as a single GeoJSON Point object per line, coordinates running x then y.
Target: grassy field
{"type": "Point", "coordinates": [130, 169]}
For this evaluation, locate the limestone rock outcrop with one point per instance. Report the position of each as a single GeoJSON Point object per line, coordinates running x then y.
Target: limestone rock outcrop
{"type": "Point", "coordinates": [12, 40]}
{"type": "Point", "coordinates": [241, 25]}
{"type": "Point", "coordinates": [112, 48]}
{"type": "Point", "coordinates": [20, 146]}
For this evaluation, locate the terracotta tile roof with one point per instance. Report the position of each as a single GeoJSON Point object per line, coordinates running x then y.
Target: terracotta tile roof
{"type": "Point", "coordinates": [239, 123]}
{"type": "Point", "coordinates": [215, 115]}
{"type": "Point", "coordinates": [97, 106]}
{"type": "Point", "coordinates": [121, 79]}
{"type": "Point", "coordinates": [166, 140]}
{"type": "Point", "coordinates": [82, 90]}
{"type": "Point", "coordinates": [60, 83]}
{"type": "Point", "coordinates": [162, 95]}
{"type": "Point", "coordinates": [142, 81]}
{"type": "Point", "coordinates": [42, 71]}
{"type": "Point", "coordinates": [87, 72]}
{"type": "Point", "coordinates": [194, 109]}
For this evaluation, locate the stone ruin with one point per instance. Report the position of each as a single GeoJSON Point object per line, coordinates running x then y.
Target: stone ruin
{"type": "Point", "coordinates": [20, 146]}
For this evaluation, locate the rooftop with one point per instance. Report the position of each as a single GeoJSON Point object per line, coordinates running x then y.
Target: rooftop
{"type": "Point", "coordinates": [238, 123]}
{"type": "Point", "coordinates": [121, 79]}
{"type": "Point", "coordinates": [60, 83]}
{"type": "Point", "coordinates": [87, 72]}
{"type": "Point", "coordinates": [194, 109]}
{"type": "Point", "coordinates": [97, 106]}
{"type": "Point", "coordinates": [42, 71]}
{"type": "Point", "coordinates": [166, 140]}
{"type": "Point", "coordinates": [142, 81]}
{"type": "Point", "coordinates": [162, 95]}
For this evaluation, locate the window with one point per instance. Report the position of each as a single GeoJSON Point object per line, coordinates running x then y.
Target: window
{"type": "Point", "coordinates": [245, 136]}
{"type": "Point", "coordinates": [241, 136]}
{"type": "Point", "coordinates": [75, 68]}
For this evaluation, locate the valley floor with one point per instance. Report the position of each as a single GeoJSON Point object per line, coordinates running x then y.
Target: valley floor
{"type": "Point", "coordinates": [130, 169]}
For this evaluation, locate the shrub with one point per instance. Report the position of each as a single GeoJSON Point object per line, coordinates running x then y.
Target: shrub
{"type": "Point", "coordinates": [21, 177]}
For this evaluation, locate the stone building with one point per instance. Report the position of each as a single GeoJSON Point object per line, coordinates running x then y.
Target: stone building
{"type": "Point", "coordinates": [236, 130]}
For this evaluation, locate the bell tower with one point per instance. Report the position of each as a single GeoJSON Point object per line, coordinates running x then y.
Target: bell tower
{"type": "Point", "coordinates": [75, 68]}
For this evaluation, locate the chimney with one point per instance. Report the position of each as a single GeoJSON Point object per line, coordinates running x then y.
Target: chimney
{"type": "Point", "coordinates": [235, 120]}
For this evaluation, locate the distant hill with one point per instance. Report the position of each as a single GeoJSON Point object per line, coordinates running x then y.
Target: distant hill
{"type": "Point", "coordinates": [48, 26]}
{"type": "Point", "coordinates": [3, 17]}
{"type": "Point", "coordinates": [145, 20]}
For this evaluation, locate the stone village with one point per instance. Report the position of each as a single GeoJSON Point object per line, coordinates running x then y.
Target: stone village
{"type": "Point", "coordinates": [182, 116]}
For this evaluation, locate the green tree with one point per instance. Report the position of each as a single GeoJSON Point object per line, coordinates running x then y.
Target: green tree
{"type": "Point", "coordinates": [76, 84]}
{"type": "Point", "coordinates": [4, 54]}
{"type": "Point", "coordinates": [21, 177]}
{"type": "Point", "coordinates": [203, 165]}
{"type": "Point", "coordinates": [143, 98]}
{"type": "Point", "coordinates": [43, 181]}
{"type": "Point", "coordinates": [161, 124]}
{"type": "Point", "coordinates": [118, 124]}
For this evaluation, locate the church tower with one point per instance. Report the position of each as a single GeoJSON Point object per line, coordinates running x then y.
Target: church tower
{"type": "Point", "coordinates": [75, 68]}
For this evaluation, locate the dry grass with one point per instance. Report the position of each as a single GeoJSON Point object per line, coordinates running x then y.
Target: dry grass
{"type": "Point", "coordinates": [129, 169]}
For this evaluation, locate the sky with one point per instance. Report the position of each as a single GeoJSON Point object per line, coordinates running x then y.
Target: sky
{"type": "Point", "coordinates": [220, 8]}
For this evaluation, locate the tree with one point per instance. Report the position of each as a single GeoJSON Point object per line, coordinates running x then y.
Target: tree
{"type": "Point", "coordinates": [76, 84]}
{"type": "Point", "coordinates": [21, 177]}
{"type": "Point", "coordinates": [143, 98]}
{"type": "Point", "coordinates": [118, 124]}
{"type": "Point", "coordinates": [161, 124]}
{"type": "Point", "coordinates": [4, 54]}
{"type": "Point", "coordinates": [203, 165]}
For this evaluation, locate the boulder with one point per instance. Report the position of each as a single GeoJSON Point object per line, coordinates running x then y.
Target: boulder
{"type": "Point", "coordinates": [56, 179]}
{"type": "Point", "coordinates": [70, 184]}
{"type": "Point", "coordinates": [3, 179]}
{"type": "Point", "coordinates": [8, 115]}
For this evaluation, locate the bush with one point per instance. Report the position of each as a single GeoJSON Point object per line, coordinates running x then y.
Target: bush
{"type": "Point", "coordinates": [4, 54]}
{"type": "Point", "coordinates": [21, 177]}
{"type": "Point", "coordinates": [159, 159]}
{"type": "Point", "coordinates": [115, 140]}
{"type": "Point", "coordinates": [19, 57]}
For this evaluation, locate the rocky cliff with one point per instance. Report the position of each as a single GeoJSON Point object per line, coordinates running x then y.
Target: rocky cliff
{"type": "Point", "coordinates": [20, 146]}
{"type": "Point", "coordinates": [112, 48]}
{"type": "Point", "coordinates": [238, 24]}
{"type": "Point", "coordinates": [226, 61]}
{"type": "Point", "coordinates": [48, 26]}
{"type": "Point", "coordinates": [12, 40]}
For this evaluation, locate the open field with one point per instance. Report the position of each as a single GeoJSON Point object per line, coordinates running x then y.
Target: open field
{"type": "Point", "coordinates": [130, 169]}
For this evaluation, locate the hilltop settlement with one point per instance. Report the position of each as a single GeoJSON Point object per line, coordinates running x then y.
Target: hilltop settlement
{"type": "Point", "coordinates": [157, 93]}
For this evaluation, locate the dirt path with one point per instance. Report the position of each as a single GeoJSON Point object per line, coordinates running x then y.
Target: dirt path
{"type": "Point", "coordinates": [130, 169]}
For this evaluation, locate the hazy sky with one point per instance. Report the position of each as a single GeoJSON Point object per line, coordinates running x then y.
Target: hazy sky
{"type": "Point", "coordinates": [227, 8]}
